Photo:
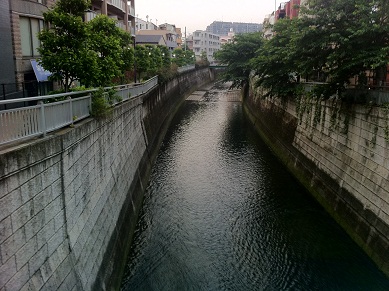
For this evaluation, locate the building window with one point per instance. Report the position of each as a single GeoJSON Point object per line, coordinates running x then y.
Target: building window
{"type": "Point", "coordinates": [29, 28]}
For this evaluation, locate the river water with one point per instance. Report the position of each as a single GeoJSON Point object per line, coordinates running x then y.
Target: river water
{"type": "Point", "coordinates": [221, 213]}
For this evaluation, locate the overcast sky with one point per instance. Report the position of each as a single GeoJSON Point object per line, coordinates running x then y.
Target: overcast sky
{"type": "Point", "coordinates": [198, 14]}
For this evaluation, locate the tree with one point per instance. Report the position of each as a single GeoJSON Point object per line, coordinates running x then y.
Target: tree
{"type": "Point", "coordinates": [190, 58]}
{"type": "Point", "coordinates": [275, 61]}
{"type": "Point", "coordinates": [179, 57]}
{"type": "Point", "coordinates": [156, 59]}
{"type": "Point", "coordinates": [108, 43]}
{"type": "Point", "coordinates": [166, 59]}
{"type": "Point", "coordinates": [332, 41]}
{"type": "Point", "coordinates": [127, 56]}
{"type": "Point", "coordinates": [237, 57]}
{"type": "Point", "coordinates": [64, 44]}
{"type": "Point", "coordinates": [348, 36]}
{"type": "Point", "coordinates": [142, 60]}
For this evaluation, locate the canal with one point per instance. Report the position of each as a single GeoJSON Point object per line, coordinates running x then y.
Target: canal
{"type": "Point", "coordinates": [222, 213]}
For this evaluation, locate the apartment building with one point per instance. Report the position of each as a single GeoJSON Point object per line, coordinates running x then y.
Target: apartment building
{"type": "Point", "coordinates": [288, 9]}
{"type": "Point", "coordinates": [223, 28]}
{"type": "Point", "coordinates": [207, 42]}
{"type": "Point", "coordinates": [20, 21]}
{"type": "Point", "coordinates": [122, 11]}
{"type": "Point", "coordinates": [141, 24]}
{"type": "Point", "coordinates": [171, 35]}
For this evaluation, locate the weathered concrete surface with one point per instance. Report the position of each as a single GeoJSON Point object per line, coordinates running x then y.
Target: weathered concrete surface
{"type": "Point", "coordinates": [340, 152]}
{"type": "Point", "coordinates": [69, 202]}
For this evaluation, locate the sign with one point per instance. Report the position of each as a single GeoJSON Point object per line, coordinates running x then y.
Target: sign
{"type": "Point", "coordinates": [40, 73]}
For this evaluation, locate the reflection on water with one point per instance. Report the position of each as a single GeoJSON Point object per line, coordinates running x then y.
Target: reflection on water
{"type": "Point", "coordinates": [221, 213]}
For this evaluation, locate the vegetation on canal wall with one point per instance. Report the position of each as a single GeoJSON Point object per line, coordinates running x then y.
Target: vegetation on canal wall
{"type": "Point", "coordinates": [339, 152]}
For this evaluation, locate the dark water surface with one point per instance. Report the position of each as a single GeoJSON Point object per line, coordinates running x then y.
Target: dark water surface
{"type": "Point", "coordinates": [221, 213]}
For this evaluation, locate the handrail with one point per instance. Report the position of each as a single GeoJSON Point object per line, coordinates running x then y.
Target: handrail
{"type": "Point", "coordinates": [26, 122]}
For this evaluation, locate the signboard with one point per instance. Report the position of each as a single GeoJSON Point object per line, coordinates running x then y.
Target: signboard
{"type": "Point", "coordinates": [40, 73]}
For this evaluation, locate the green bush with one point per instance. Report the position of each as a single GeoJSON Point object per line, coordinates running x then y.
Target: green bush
{"type": "Point", "coordinates": [102, 101]}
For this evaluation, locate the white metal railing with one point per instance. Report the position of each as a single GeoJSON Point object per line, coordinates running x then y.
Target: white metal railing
{"type": "Point", "coordinates": [25, 122]}
{"type": "Point", "coordinates": [131, 10]}
{"type": "Point", "coordinates": [119, 4]}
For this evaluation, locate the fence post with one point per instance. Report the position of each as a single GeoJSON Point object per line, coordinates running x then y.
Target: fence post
{"type": "Point", "coordinates": [90, 103]}
{"type": "Point", "coordinates": [70, 108]}
{"type": "Point", "coordinates": [43, 118]}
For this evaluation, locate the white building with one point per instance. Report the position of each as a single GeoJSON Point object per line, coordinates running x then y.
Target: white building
{"type": "Point", "coordinates": [204, 41]}
{"type": "Point", "coordinates": [141, 24]}
{"type": "Point", "coordinates": [268, 23]}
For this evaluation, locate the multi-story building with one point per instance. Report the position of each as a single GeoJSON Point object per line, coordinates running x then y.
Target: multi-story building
{"type": "Point", "coordinates": [21, 20]}
{"type": "Point", "coordinates": [268, 23]}
{"type": "Point", "coordinates": [122, 11]}
{"type": "Point", "coordinates": [288, 9]}
{"type": "Point", "coordinates": [227, 38]}
{"type": "Point", "coordinates": [176, 31]}
{"type": "Point", "coordinates": [141, 24]}
{"type": "Point", "coordinates": [223, 28]}
{"type": "Point", "coordinates": [170, 37]}
{"type": "Point", "coordinates": [207, 42]}
{"type": "Point", "coordinates": [171, 34]}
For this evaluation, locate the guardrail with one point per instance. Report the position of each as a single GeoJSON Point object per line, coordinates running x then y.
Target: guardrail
{"type": "Point", "coordinates": [26, 122]}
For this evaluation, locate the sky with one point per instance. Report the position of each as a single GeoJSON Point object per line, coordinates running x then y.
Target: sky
{"type": "Point", "coordinates": [198, 14]}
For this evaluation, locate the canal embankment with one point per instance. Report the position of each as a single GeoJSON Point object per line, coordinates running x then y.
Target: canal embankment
{"type": "Point", "coordinates": [339, 152]}
{"type": "Point", "coordinates": [69, 201]}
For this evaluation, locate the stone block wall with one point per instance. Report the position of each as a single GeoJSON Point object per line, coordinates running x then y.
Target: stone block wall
{"type": "Point", "coordinates": [339, 151]}
{"type": "Point", "coordinates": [69, 202]}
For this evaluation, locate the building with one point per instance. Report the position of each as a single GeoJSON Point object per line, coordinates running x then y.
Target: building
{"type": "Point", "coordinates": [174, 30]}
{"type": "Point", "coordinates": [122, 11]}
{"type": "Point", "coordinates": [150, 39]}
{"type": "Point", "coordinates": [21, 20]}
{"type": "Point", "coordinates": [170, 37]}
{"type": "Point", "coordinates": [207, 42]}
{"type": "Point", "coordinates": [223, 28]}
{"type": "Point", "coordinates": [268, 23]}
{"type": "Point", "coordinates": [141, 24]}
{"type": "Point", "coordinates": [288, 9]}
{"type": "Point", "coordinates": [227, 38]}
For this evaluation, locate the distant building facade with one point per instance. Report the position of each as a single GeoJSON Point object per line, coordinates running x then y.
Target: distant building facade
{"type": "Point", "coordinates": [170, 38]}
{"type": "Point", "coordinates": [227, 38]}
{"type": "Point", "coordinates": [141, 24]}
{"type": "Point", "coordinates": [288, 10]}
{"type": "Point", "coordinates": [223, 28]}
{"type": "Point", "coordinates": [207, 42]}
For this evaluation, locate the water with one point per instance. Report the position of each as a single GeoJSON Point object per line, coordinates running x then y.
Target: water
{"type": "Point", "coordinates": [221, 213]}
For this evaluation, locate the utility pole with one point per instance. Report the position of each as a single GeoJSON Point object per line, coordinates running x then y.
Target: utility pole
{"type": "Point", "coordinates": [185, 40]}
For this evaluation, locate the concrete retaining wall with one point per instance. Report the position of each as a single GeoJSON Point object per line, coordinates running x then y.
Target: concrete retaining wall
{"type": "Point", "coordinates": [340, 152]}
{"type": "Point", "coordinates": [69, 202]}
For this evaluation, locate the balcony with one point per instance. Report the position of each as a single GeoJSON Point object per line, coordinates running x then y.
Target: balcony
{"type": "Point", "coordinates": [131, 11]}
{"type": "Point", "coordinates": [120, 4]}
